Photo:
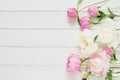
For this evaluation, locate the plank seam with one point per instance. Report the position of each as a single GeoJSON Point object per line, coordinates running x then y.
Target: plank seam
{"type": "Point", "coordinates": [39, 46]}
{"type": "Point", "coordinates": [41, 10]}
{"type": "Point", "coordinates": [39, 28]}
{"type": "Point", "coordinates": [32, 10]}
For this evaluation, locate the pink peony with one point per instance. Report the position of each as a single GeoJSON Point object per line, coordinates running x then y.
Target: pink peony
{"type": "Point", "coordinates": [99, 63]}
{"type": "Point", "coordinates": [73, 63]}
{"type": "Point", "coordinates": [85, 25]}
{"type": "Point", "coordinates": [93, 11]}
{"type": "Point", "coordinates": [109, 51]}
{"type": "Point", "coordinates": [71, 13]}
{"type": "Point", "coordinates": [84, 21]}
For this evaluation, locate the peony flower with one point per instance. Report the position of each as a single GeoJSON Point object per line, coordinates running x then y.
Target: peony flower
{"type": "Point", "coordinates": [84, 21]}
{"type": "Point", "coordinates": [106, 34]}
{"type": "Point", "coordinates": [71, 13]}
{"type": "Point", "coordinates": [73, 63]}
{"type": "Point", "coordinates": [99, 63]}
{"type": "Point", "coordinates": [85, 25]}
{"type": "Point", "coordinates": [93, 11]}
{"type": "Point", "coordinates": [107, 21]}
{"type": "Point", "coordinates": [86, 43]}
{"type": "Point", "coordinates": [109, 51]}
{"type": "Point", "coordinates": [116, 41]}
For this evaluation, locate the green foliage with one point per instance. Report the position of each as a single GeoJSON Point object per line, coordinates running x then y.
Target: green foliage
{"type": "Point", "coordinates": [78, 20]}
{"type": "Point", "coordinates": [109, 75]}
{"type": "Point", "coordinates": [84, 78]}
{"type": "Point", "coordinates": [111, 14]}
{"type": "Point", "coordinates": [95, 38]}
{"type": "Point", "coordinates": [101, 15]}
{"type": "Point", "coordinates": [79, 1]}
{"type": "Point", "coordinates": [114, 57]}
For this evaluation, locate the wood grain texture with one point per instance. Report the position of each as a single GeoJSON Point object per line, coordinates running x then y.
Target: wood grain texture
{"type": "Point", "coordinates": [40, 56]}
{"type": "Point", "coordinates": [35, 4]}
{"type": "Point", "coordinates": [38, 73]}
{"type": "Point", "coordinates": [35, 20]}
{"type": "Point", "coordinates": [36, 38]}
{"type": "Point", "coordinates": [39, 21]}
{"type": "Point", "coordinates": [43, 56]}
{"type": "Point", "coordinates": [39, 38]}
{"type": "Point", "coordinates": [47, 5]}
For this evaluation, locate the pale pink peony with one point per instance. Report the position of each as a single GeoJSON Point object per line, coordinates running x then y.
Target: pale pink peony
{"type": "Point", "coordinates": [73, 63]}
{"type": "Point", "coordinates": [85, 25]}
{"type": "Point", "coordinates": [84, 19]}
{"type": "Point", "coordinates": [109, 51]}
{"type": "Point", "coordinates": [71, 13]}
{"type": "Point", "coordinates": [93, 11]}
{"type": "Point", "coordinates": [99, 63]}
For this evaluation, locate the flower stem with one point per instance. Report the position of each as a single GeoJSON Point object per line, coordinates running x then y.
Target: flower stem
{"type": "Point", "coordinates": [85, 59]}
{"type": "Point", "coordinates": [92, 5]}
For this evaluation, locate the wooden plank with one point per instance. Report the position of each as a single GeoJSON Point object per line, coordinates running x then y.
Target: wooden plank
{"type": "Point", "coordinates": [42, 56]}
{"type": "Point", "coordinates": [39, 37]}
{"type": "Point", "coordinates": [35, 56]}
{"type": "Point", "coordinates": [35, 4]}
{"type": "Point", "coordinates": [42, 5]}
{"type": "Point", "coordinates": [39, 73]}
{"type": "Point", "coordinates": [36, 73]}
{"type": "Point", "coordinates": [39, 21]}
{"type": "Point", "coordinates": [35, 20]}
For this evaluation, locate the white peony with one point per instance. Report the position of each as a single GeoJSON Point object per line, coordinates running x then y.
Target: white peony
{"type": "Point", "coordinates": [86, 43]}
{"type": "Point", "coordinates": [106, 32]}
{"type": "Point", "coordinates": [116, 41]}
{"type": "Point", "coordinates": [107, 21]}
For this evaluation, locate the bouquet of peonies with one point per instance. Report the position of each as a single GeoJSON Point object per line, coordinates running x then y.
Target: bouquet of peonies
{"type": "Point", "coordinates": [99, 38]}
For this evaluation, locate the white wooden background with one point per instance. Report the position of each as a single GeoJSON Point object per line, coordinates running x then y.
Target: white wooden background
{"type": "Point", "coordinates": [36, 38]}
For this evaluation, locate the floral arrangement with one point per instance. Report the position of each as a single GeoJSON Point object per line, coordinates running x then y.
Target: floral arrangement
{"type": "Point", "coordinates": [99, 38]}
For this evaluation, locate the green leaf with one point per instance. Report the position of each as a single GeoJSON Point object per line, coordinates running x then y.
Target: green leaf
{"type": "Point", "coordinates": [111, 16]}
{"type": "Point", "coordinates": [79, 1]}
{"type": "Point", "coordinates": [111, 13]}
{"type": "Point", "coordinates": [84, 78]}
{"type": "Point", "coordinates": [89, 73]}
{"type": "Point", "coordinates": [109, 75]}
{"type": "Point", "coordinates": [114, 57]}
{"type": "Point", "coordinates": [95, 38]}
{"type": "Point", "coordinates": [98, 16]}
{"type": "Point", "coordinates": [110, 70]}
{"type": "Point", "coordinates": [101, 15]}
{"type": "Point", "coordinates": [78, 20]}
{"type": "Point", "coordinates": [117, 72]}
{"type": "Point", "coordinates": [118, 29]}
